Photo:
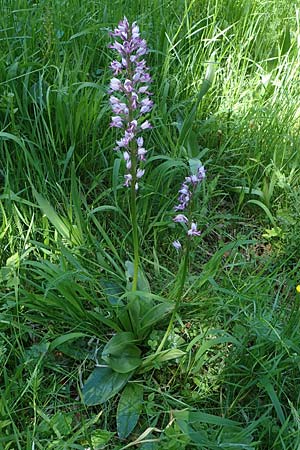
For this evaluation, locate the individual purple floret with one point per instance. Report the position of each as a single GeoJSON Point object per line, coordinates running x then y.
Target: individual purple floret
{"type": "Point", "coordinates": [181, 218]}
{"type": "Point", "coordinates": [193, 230]}
{"type": "Point", "coordinates": [177, 245]}
{"type": "Point", "coordinates": [130, 97]}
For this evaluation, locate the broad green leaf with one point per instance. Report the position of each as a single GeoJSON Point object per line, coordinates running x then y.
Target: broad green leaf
{"type": "Point", "coordinates": [194, 164]}
{"type": "Point", "coordinates": [199, 416]}
{"type": "Point", "coordinates": [143, 284]}
{"type": "Point", "coordinates": [118, 342]}
{"type": "Point", "coordinates": [61, 424]}
{"type": "Point", "coordinates": [150, 445]}
{"type": "Point", "coordinates": [165, 355]}
{"type": "Point", "coordinates": [155, 314]}
{"type": "Point", "coordinates": [125, 362]}
{"type": "Point", "coordinates": [121, 354]}
{"type": "Point", "coordinates": [80, 351]}
{"type": "Point", "coordinates": [112, 291]}
{"type": "Point", "coordinates": [134, 311]}
{"type": "Point", "coordinates": [124, 318]}
{"type": "Point", "coordinates": [129, 409]}
{"type": "Point", "coordinates": [102, 384]}
{"type": "Point", "coordinates": [65, 338]}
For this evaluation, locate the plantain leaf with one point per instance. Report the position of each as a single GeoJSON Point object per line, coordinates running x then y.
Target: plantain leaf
{"type": "Point", "coordinates": [155, 314]}
{"type": "Point", "coordinates": [155, 359]}
{"type": "Point", "coordinates": [121, 354]}
{"type": "Point", "coordinates": [194, 164]}
{"type": "Point", "coordinates": [102, 384]}
{"type": "Point", "coordinates": [129, 409]}
{"type": "Point", "coordinates": [113, 291]}
{"type": "Point", "coordinates": [65, 338]}
{"type": "Point", "coordinates": [143, 284]}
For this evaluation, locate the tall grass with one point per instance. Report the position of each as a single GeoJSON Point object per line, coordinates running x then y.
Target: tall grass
{"type": "Point", "coordinates": [64, 221]}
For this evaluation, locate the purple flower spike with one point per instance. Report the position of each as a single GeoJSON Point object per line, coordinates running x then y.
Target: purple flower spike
{"type": "Point", "coordinates": [117, 106]}
{"type": "Point", "coordinates": [195, 179]}
{"type": "Point", "coordinates": [186, 193]}
{"type": "Point", "coordinates": [131, 83]}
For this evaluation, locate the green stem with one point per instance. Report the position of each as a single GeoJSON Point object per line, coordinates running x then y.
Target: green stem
{"type": "Point", "coordinates": [135, 236]}
{"type": "Point", "coordinates": [182, 273]}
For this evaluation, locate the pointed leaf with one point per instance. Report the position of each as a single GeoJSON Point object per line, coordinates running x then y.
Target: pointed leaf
{"type": "Point", "coordinates": [194, 164]}
{"type": "Point", "coordinates": [143, 284]}
{"type": "Point", "coordinates": [117, 343]}
{"type": "Point", "coordinates": [65, 338]}
{"type": "Point", "coordinates": [134, 311]}
{"type": "Point", "coordinates": [129, 409]}
{"type": "Point", "coordinates": [52, 215]}
{"type": "Point", "coordinates": [112, 291]}
{"type": "Point", "coordinates": [67, 230]}
{"type": "Point", "coordinates": [156, 314]}
{"type": "Point", "coordinates": [121, 354]}
{"type": "Point", "coordinates": [102, 384]}
{"type": "Point", "coordinates": [165, 355]}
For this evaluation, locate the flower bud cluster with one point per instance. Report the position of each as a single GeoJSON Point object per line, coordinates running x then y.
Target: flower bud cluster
{"type": "Point", "coordinates": [186, 193]}
{"type": "Point", "coordinates": [130, 97]}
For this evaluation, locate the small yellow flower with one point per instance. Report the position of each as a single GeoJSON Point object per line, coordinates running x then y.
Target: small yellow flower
{"type": "Point", "coordinates": [298, 288]}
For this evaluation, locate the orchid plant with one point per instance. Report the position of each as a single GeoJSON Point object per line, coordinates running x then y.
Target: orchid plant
{"type": "Point", "coordinates": [138, 310]}
{"type": "Point", "coordinates": [185, 205]}
{"type": "Point", "coordinates": [130, 101]}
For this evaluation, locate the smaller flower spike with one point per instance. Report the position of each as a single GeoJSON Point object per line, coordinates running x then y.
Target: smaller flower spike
{"type": "Point", "coordinates": [131, 101]}
{"type": "Point", "coordinates": [186, 193]}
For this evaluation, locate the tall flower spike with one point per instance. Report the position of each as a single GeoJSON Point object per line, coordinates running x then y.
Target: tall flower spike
{"type": "Point", "coordinates": [131, 99]}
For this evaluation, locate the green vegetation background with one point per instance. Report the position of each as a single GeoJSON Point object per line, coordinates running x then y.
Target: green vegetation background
{"type": "Point", "coordinates": [64, 220]}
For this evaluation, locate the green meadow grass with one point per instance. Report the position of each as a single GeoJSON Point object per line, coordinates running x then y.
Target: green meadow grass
{"type": "Point", "coordinates": [64, 222]}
